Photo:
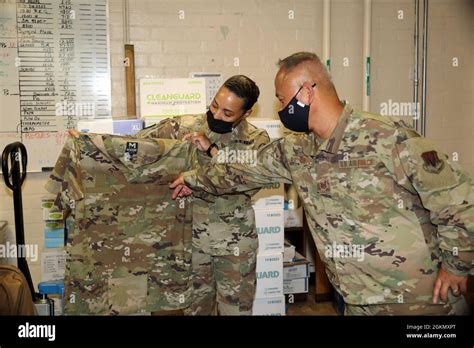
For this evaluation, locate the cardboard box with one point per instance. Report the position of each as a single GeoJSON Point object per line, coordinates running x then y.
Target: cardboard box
{"type": "Point", "coordinates": [96, 126]}
{"type": "Point", "coordinates": [269, 275]}
{"type": "Point", "coordinates": [270, 231]}
{"type": "Point", "coordinates": [269, 197]}
{"type": "Point", "coordinates": [296, 286]}
{"type": "Point", "coordinates": [273, 127]}
{"type": "Point", "coordinates": [127, 127]}
{"type": "Point", "coordinates": [269, 306]}
{"type": "Point", "coordinates": [298, 268]}
{"type": "Point", "coordinates": [110, 126]}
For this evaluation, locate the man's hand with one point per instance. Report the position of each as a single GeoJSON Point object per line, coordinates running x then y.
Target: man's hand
{"type": "Point", "coordinates": [180, 189]}
{"type": "Point", "coordinates": [199, 139]}
{"type": "Point", "coordinates": [446, 280]}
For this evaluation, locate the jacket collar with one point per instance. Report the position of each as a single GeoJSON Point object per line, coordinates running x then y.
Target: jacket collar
{"type": "Point", "coordinates": [331, 144]}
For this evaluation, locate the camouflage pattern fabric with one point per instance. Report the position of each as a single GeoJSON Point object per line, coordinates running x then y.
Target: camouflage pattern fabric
{"type": "Point", "coordinates": [385, 206]}
{"type": "Point", "coordinates": [229, 279]}
{"type": "Point", "coordinates": [128, 243]}
{"type": "Point", "coordinates": [223, 226]}
{"type": "Point", "coordinates": [456, 305]}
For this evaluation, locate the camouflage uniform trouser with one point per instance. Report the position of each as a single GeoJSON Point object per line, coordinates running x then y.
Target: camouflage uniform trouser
{"type": "Point", "coordinates": [223, 284]}
{"type": "Point", "coordinates": [455, 306]}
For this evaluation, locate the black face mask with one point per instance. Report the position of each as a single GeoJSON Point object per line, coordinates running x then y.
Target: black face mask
{"type": "Point", "coordinates": [295, 115]}
{"type": "Point", "coordinates": [218, 126]}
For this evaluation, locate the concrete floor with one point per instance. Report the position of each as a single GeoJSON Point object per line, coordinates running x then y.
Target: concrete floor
{"type": "Point", "coordinates": [310, 306]}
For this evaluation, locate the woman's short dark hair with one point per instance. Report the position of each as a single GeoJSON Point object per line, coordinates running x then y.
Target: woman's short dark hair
{"type": "Point", "coordinates": [244, 88]}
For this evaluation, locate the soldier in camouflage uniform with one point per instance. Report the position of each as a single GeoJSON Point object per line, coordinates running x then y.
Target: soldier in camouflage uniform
{"type": "Point", "coordinates": [391, 216]}
{"type": "Point", "coordinates": [128, 243]}
{"type": "Point", "coordinates": [224, 235]}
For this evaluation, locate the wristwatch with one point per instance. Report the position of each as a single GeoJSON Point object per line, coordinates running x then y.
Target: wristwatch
{"type": "Point", "coordinates": [209, 149]}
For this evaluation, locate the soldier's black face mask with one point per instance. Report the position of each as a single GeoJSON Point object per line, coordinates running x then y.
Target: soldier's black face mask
{"type": "Point", "coordinates": [218, 126]}
{"type": "Point", "coordinates": [295, 115]}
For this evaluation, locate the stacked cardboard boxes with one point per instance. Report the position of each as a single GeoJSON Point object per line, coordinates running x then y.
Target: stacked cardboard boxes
{"type": "Point", "coordinates": [269, 221]}
{"type": "Point", "coordinates": [268, 205]}
{"type": "Point", "coordinates": [292, 206]}
{"type": "Point", "coordinates": [296, 276]}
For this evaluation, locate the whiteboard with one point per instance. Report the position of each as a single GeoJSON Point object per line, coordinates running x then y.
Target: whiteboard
{"type": "Point", "coordinates": [54, 70]}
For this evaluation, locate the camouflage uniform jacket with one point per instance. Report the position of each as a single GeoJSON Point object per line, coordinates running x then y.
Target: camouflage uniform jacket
{"type": "Point", "coordinates": [384, 205]}
{"type": "Point", "coordinates": [222, 225]}
{"type": "Point", "coordinates": [129, 244]}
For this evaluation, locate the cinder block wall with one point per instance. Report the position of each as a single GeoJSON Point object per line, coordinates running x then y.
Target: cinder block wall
{"type": "Point", "coordinates": [174, 38]}
{"type": "Point", "coordinates": [258, 32]}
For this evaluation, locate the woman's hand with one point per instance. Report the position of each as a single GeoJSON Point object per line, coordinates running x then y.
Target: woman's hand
{"type": "Point", "coordinates": [199, 139]}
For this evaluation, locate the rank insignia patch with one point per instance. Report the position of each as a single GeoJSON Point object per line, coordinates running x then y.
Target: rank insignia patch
{"type": "Point", "coordinates": [324, 186]}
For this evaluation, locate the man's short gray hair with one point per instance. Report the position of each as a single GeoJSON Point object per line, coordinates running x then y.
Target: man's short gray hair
{"type": "Point", "coordinates": [298, 58]}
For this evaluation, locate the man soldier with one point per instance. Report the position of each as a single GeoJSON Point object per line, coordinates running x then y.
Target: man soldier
{"type": "Point", "coordinates": [370, 183]}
